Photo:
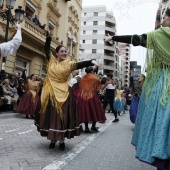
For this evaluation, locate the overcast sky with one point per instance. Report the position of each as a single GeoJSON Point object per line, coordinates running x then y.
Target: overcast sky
{"type": "Point", "coordinates": [132, 17]}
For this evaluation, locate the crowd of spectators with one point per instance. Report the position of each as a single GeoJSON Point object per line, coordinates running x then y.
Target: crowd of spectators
{"type": "Point", "coordinates": [12, 89]}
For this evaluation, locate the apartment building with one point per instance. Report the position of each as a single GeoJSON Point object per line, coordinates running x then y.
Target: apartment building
{"type": "Point", "coordinates": [96, 23]}
{"type": "Point", "coordinates": [62, 17]}
{"type": "Point", "coordinates": [163, 6]}
{"type": "Point", "coordinates": [135, 70]}
{"type": "Point", "coordinates": [124, 54]}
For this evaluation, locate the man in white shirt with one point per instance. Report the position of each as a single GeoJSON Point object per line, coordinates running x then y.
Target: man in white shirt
{"type": "Point", "coordinates": [8, 48]}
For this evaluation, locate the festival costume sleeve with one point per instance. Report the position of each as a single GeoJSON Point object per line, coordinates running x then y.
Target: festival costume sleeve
{"type": "Point", "coordinates": [136, 40]}
{"type": "Point", "coordinates": [47, 47]}
{"type": "Point", "coordinates": [83, 64]}
{"type": "Point", "coordinates": [80, 65]}
{"type": "Point", "coordinates": [8, 48]}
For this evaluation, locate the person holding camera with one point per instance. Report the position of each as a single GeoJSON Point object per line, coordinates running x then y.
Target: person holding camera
{"type": "Point", "coordinates": [29, 100]}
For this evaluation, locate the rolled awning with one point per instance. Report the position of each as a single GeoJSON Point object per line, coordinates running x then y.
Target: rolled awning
{"type": "Point", "coordinates": [30, 6]}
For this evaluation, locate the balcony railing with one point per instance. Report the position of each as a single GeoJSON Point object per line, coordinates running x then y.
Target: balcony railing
{"type": "Point", "coordinates": [111, 29]}
{"type": "Point", "coordinates": [109, 48]}
{"type": "Point", "coordinates": [108, 58]}
{"type": "Point", "coordinates": [106, 67]}
{"type": "Point", "coordinates": [34, 29]}
{"type": "Point", "coordinates": [109, 54]}
{"type": "Point", "coordinates": [37, 32]}
{"type": "Point", "coordinates": [110, 18]}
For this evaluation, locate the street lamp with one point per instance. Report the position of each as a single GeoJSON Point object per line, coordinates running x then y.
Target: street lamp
{"type": "Point", "coordinates": [10, 4]}
{"type": "Point", "coordinates": [19, 14]}
{"type": "Point", "coordinates": [7, 15]}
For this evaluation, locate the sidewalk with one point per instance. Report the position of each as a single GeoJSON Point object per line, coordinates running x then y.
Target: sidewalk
{"type": "Point", "coordinates": [110, 150]}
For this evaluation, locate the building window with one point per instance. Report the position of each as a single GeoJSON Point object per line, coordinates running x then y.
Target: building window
{"type": "Point", "coordinates": [29, 10]}
{"type": "Point", "coordinates": [84, 32]}
{"type": "Point", "coordinates": [94, 41]}
{"type": "Point", "coordinates": [85, 14]}
{"type": "Point", "coordinates": [94, 51]}
{"type": "Point", "coordinates": [44, 72]}
{"type": "Point", "coordinates": [51, 26]}
{"type": "Point", "coordinates": [95, 13]}
{"type": "Point", "coordinates": [68, 45]}
{"type": "Point", "coordinates": [84, 41]}
{"type": "Point", "coordinates": [95, 22]}
{"type": "Point", "coordinates": [94, 31]}
{"type": "Point", "coordinates": [84, 23]}
{"type": "Point", "coordinates": [21, 63]}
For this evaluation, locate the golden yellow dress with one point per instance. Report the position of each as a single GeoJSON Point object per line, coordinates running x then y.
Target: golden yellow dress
{"type": "Point", "coordinates": [57, 116]}
{"type": "Point", "coordinates": [29, 100]}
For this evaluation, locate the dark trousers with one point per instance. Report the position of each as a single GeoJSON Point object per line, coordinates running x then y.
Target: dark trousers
{"type": "Point", "coordinates": [109, 100]}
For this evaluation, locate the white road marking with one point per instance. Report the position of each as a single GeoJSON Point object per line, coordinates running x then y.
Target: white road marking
{"type": "Point", "coordinates": [13, 130]}
{"type": "Point", "coordinates": [66, 158]}
{"type": "Point", "coordinates": [1, 138]}
{"type": "Point", "coordinates": [21, 133]}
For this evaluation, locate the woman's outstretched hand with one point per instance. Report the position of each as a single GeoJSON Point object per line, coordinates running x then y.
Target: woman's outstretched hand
{"type": "Point", "coordinates": [107, 38]}
{"type": "Point", "coordinates": [48, 33]}
{"type": "Point", "coordinates": [18, 26]}
{"type": "Point", "coordinates": [96, 64]}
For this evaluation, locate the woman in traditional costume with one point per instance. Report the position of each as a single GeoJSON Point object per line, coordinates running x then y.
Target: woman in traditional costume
{"type": "Point", "coordinates": [56, 116]}
{"type": "Point", "coordinates": [29, 100]}
{"type": "Point", "coordinates": [151, 135]}
{"type": "Point", "coordinates": [136, 96]}
{"type": "Point", "coordinates": [88, 102]}
{"type": "Point", "coordinates": [118, 101]}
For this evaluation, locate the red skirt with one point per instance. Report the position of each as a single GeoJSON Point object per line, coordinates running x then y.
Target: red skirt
{"type": "Point", "coordinates": [27, 106]}
{"type": "Point", "coordinates": [90, 110]}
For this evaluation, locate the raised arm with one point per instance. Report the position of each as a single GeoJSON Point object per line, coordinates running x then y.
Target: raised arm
{"type": "Point", "coordinates": [8, 48]}
{"type": "Point", "coordinates": [135, 40]}
{"type": "Point", "coordinates": [47, 47]}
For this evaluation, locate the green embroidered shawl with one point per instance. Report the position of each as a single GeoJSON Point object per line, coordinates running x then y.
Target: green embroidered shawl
{"type": "Point", "coordinates": [158, 58]}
